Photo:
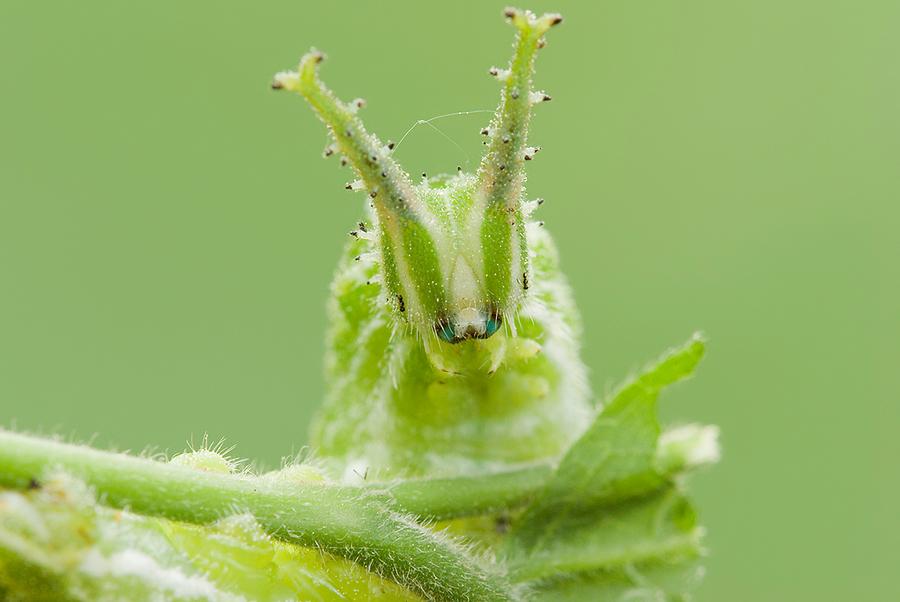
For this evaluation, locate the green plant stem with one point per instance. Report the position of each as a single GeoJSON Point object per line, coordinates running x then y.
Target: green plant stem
{"type": "Point", "coordinates": [340, 520]}
{"type": "Point", "coordinates": [683, 449]}
{"type": "Point", "coordinates": [441, 499]}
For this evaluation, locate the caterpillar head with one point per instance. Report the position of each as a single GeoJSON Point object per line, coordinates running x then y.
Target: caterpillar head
{"type": "Point", "coordinates": [452, 250]}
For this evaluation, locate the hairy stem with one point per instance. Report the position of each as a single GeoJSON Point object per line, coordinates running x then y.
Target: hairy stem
{"type": "Point", "coordinates": [340, 520]}
{"type": "Point", "coordinates": [680, 449]}
{"type": "Point", "coordinates": [442, 499]}
{"type": "Point", "coordinates": [432, 499]}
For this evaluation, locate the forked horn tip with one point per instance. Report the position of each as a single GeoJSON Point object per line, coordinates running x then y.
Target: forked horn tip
{"type": "Point", "coordinates": [526, 20]}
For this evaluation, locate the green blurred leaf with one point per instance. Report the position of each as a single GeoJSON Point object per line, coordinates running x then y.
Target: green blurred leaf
{"type": "Point", "coordinates": [659, 526]}
{"type": "Point", "coordinates": [608, 505]}
{"type": "Point", "coordinates": [57, 544]}
{"type": "Point", "coordinates": [668, 581]}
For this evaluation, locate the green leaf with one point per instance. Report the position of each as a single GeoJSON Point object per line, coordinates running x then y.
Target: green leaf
{"type": "Point", "coordinates": [667, 581]}
{"type": "Point", "coordinates": [611, 502]}
{"type": "Point", "coordinates": [658, 526]}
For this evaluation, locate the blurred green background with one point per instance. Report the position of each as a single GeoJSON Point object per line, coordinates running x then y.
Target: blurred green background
{"type": "Point", "coordinates": [168, 231]}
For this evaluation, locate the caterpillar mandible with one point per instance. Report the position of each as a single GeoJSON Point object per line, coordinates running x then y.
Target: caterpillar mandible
{"type": "Point", "coordinates": [453, 340]}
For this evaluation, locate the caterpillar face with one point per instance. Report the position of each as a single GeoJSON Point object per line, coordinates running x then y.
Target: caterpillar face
{"type": "Point", "coordinates": [452, 251]}
{"type": "Point", "coordinates": [437, 270]}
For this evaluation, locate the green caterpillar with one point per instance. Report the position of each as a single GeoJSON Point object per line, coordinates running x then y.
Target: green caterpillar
{"type": "Point", "coordinates": [454, 340]}
{"type": "Point", "coordinates": [457, 404]}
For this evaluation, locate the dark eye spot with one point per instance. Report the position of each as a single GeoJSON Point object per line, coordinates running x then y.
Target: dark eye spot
{"type": "Point", "coordinates": [445, 332]}
{"type": "Point", "coordinates": [492, 325]}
